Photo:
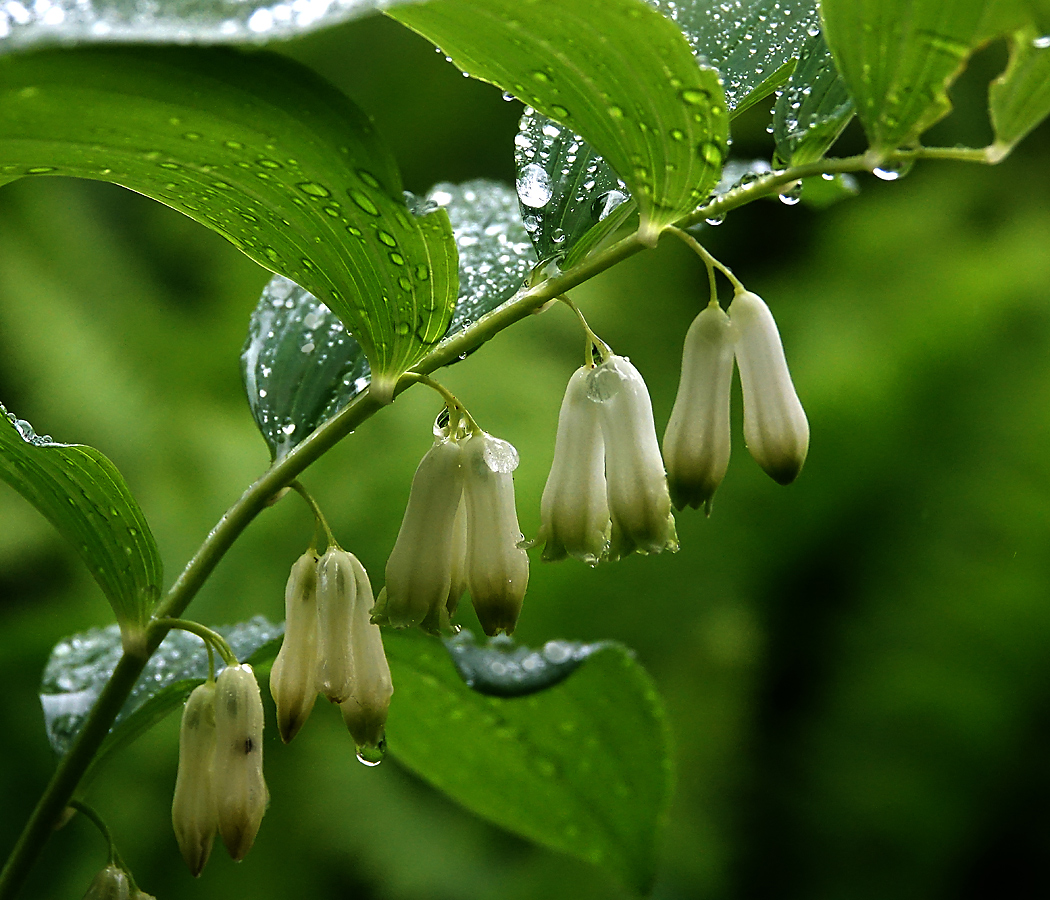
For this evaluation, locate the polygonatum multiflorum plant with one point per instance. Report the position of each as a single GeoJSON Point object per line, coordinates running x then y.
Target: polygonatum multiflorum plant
{"type": "Point", "coordinates": [625, 140]}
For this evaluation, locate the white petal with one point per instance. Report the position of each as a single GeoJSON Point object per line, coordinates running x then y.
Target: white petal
{"type": "Point", "coordinates": [336, 599]}
{"type": "Point", "coordinates": [574, 511]}
{"type": "Point", "coordinates": [365, 709]}
{"type": "Point", "coordinates": [497, 569]}
{"type": "Point", "coordinates": [639, 504]}
{"type": "Point", "coordinates": [696, 443]}
{"type": "Point", "coordinates": [775, 426]}
{"type": "Point", "coordinates": [419, 570]}
{"type": "Point", "coordinates": [240, 791]}
{"type": "Point", "coordinates": [292, 678]}
{"type": "Point", "coordinates": [193, 813]}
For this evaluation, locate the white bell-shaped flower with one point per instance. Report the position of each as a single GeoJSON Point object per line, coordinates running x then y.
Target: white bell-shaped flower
{"type": "Point", "coordinates": [775, 427]}
{"type": "Point", "coordinates": [110, 884]}
{"type": "Point", "coordinates": [193, 813]}
{"type": "Point", "coordinates": [294, 673]}
{"type": "Point", "coordinates": [337, 585]}
{"type": "Point", "coordinates": [370, 688]}
{"type": "Point", "coordinates": [574, 511]}
{"type": "Point", "coordinates": [696, 442]}
{"type": "Point", "coordinates": [419, 570]}
{"type": "Point", "coordinates": [240, 790]}
{"type": "Point", "coordinates": [639, 504]}
{"type": "Point", "coordinates": [497, 567]}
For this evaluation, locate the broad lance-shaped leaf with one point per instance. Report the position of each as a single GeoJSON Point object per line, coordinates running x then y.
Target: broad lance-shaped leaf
{"type": "Point", "coordinates": [752, 43]}
{"type": "Point", "coordinates": [258, 149]}
{"type": "Point", "coordinates": [583, 768]}
{"type": "Point", "coordinates": [567, 190]}
{"type": "Point", "coordinates": [580, 764]}
{"type": "Point", "coordinates": [898, 58]}
{"type": "Point", "coordinates": [84, 496]}
{"type": "Point", "coordinates": [1019, 99]}
{"type": "Point", "coordinates": [80, 666]}
{"type": "Point", "coordinates": [301, 367]}
{"type": "Point", "coordinates": [813, 108]}
{"type": "Point", "coordinates": [614, 71]}
{"type": "Point", "coordinates": [172, 21]}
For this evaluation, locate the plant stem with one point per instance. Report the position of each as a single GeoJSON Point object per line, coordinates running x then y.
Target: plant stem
{"type": "Point", "coordinates": [319, 516]}
{"type": "Point", "coordinates": [210, 638]}
{"type": "Point", "coordinates": [285, 470]}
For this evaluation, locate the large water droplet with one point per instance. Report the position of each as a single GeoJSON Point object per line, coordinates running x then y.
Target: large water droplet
{"type": "Point", "coordinates": [534, 186]}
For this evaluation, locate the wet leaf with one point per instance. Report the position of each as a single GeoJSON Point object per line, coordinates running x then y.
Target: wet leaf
{"type": "Point", "coordinates": [615, 72]}
{"type": "Point", "coordinates": [299, 364]}
{"type": "Point", "coordinates": [582, 768]}
{"type": "Point", "coordinates": [898, 58]}
{"type": "Point", "coordinates": [83, 495]}
{"type": "Point", "coordinates": [813, 109]}
{"type": "Point", "coordinates": [173, 21]}
{"type": "Point", "coordinates": [258, 149]}
{"type": "Point", "coordinates": [1019, 99]}
{"type": "Point", "coordinates": [501, 668]}
{"type": "Point", "coordinates": [752, 43]}
{"type": "Point", "coordinates": [568, 191]}
{"type": "Point", "coordinates": [80, 666]}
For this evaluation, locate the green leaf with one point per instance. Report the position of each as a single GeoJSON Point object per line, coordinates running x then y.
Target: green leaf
{"type": "Point", "coordinates": [752, 43]}
{"type": "Point", "coordinates": [813, 109]}
{"type": "Point", "coordinates": [898, 58]}
{"type": "Point", "coordinates": [80, 666]}
{"type": "Point", "coordinates": [299, 364]}
{"type": "Point", "coordinates": [614, 71]}
{"type": "Point", "coordinates": [582, 768]}
{"type": "Point", "coordinates": [173, 21]}
{"type": "Point", "coordinates": [258, 149]}
{"type": "Point", "coordinates": [502, 668]}
{"type": "Point", "coordinates": [83, 495]}
{"type": "Point", "coordinates": [1019, 99]}
{"type": "Point", "coordinates": [565, 189]}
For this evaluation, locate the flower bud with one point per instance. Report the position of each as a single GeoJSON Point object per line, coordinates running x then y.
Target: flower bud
{"type": "Point", "coordinates": [639, 504]}
{"type": "Point", "coordinates": [193, 813]}
{"type": "Point", "coordinates": [109, 884]}
{"type": "Point", "coordinates": [365, 707]}
{"type": "Point", "coordinates": [240, 791]}
{"type": "Point", "coordinates": [574, 511]}
{"type": "Point", "coordinates": [336, 600]}
{"type": "Point", "coordinates": [696, 443]}
{"type": "Point", "coordinates": [294, 672]}
{"type": "Point", "coordinates": [419, 570]}
{"type": "Point", "coordinates": [775, 426]}
{"type": "Point", "coordinates": [497, 568]}
{"type": "Point", "coordinates": [439, 618]}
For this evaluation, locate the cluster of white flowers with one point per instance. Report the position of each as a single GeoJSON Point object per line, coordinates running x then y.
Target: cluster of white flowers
{"type": "Point", "coordinates": [331, 647]}
{"type": "Point", "coordinates": [220, 785]}
{"type": "Point", "coordinates": [460, 533]}
{"type": "Point", "coordinates": [606, 495]}
{"type": "Point", "coordinates": [696, 443]}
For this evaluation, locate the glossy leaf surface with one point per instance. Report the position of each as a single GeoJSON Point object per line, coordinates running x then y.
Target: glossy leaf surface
{"type": "Point", "coordinates": [583, 767]}
{"type": "Point", "coordinates": [898, 58]}
{"type": "Point", "coordinates": [615, 72]}
{"type": "Point", "coordinates": [80, 666]}
{"type": "Point", "coordinates": [1020, 98]}
{"type": "Point", "coordinates": [83, 495]}
{"type": "Point", "coordinates": [173, 21]}
{"type": "Point", "coordinates": [299, 364]}
{"type": "Point", "coordinates": [813, 108]}
{"type": "Point", "coordinates": [258, 149]}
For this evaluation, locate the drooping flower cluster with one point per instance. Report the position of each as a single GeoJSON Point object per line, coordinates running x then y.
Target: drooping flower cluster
{"type": "Point", "coordinates": [696, 443]}
{"type": "Point", "coordinates": [607, 494]}
{"type": "Point", "coordinates": [219, 786]}
{"type": "Point", "coordinates": [460, 533]}
{"type": "Point", "coordinates": [332, 648]}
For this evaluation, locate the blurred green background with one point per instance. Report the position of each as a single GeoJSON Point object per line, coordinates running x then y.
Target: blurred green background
{"type": "Point", "coordinates": [855, 667]}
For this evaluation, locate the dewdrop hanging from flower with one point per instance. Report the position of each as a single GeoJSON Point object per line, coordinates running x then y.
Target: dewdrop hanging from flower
{"type": "Point", "coordinates": [460, 532]}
